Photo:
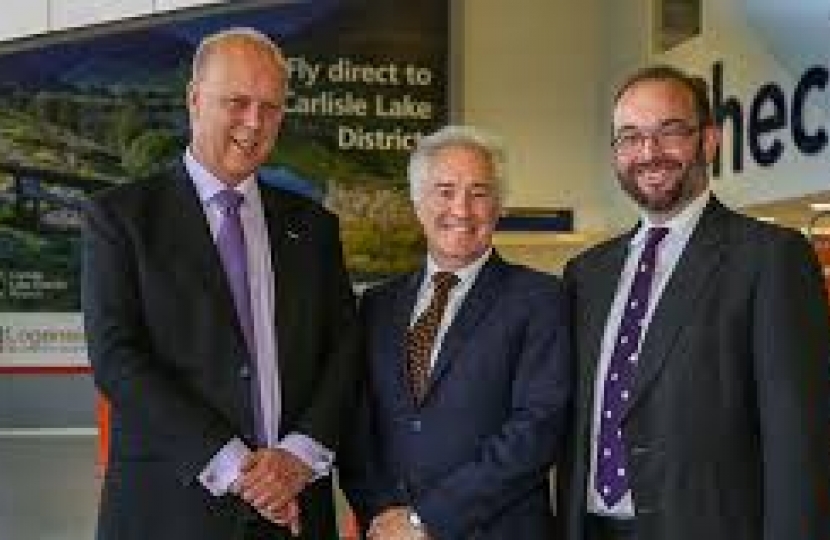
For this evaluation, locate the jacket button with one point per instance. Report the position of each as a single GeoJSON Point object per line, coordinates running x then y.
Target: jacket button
{"type": "Point", "coordinates": [416, 425]}
{"type": "Point", "coordinates": [244, 371]}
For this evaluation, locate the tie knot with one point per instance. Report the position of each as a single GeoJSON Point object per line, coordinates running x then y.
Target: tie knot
{"type": "Point", "coordinates": [444, 281]}
{"type": "Point", "coordinates": [229, 200]}
{"type": "Point", "coordinates": [655, 235]}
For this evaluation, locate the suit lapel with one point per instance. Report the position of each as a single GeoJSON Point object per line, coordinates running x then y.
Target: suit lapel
{"type": "Point", "coordinates": [288, 235]}
{"type": "Point", "coordinates": [476, 304]}
{"type": "Point", "coordinates": [395, 340]}
{"type": "Point", "coordinates": [191, 244]}
{"type": "Point", "coordinates": [699, 259]}
{"type": "Point", "coordinates": [601, 295]}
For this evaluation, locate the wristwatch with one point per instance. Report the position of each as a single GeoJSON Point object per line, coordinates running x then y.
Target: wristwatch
{"type": "Point", "coordinates": [415, 520]}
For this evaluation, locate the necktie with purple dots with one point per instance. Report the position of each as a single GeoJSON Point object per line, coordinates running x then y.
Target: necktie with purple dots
{"type": "Point", "coordinates": [611, 473]}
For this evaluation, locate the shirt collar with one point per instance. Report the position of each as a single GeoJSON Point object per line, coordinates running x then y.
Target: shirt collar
{"type": "Point", "coordinates": [208, 185]}
{"type": "Point", "coordinates": [680, 225]}
{"type": "Point", "coordinates": [465, 275]}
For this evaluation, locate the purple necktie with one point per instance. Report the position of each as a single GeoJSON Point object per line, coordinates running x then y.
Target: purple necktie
{"type": "Point", "coordinates": [231, 244]}
{"type": "Point", "coordinates": [612, 476]}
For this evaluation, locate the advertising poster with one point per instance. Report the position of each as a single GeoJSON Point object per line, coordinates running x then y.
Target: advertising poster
{"type": "Point", "coordinates": [90, 109]}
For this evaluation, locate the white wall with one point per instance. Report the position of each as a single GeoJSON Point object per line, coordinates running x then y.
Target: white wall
{"type": "Point", "coordinates": [22, 18]}
{"type": "Point", "coordinates": [531, 72]}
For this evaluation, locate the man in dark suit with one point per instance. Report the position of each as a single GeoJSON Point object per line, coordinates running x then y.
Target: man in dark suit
{"type": "Point", "coordinates": [468, 369]}
{"type": "Point", "coordinates": [702, 346]}
{"type": "Point", "coordinates": [221, 326]}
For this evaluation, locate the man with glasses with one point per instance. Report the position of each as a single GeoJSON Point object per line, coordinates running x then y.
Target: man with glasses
{"type": "Point", "coordinates": [702, 346]}
{"type": "Point", "coordinates": [221, 325]}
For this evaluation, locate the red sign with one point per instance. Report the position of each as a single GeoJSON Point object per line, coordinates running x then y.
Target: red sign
{"type": "Point", "coordinates": [821, 243]}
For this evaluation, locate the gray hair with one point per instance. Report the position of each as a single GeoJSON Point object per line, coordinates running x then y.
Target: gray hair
{"type": "Point", "coordinates": [450, 137]}
{"type": "Point", "coordinates": [240, 33]}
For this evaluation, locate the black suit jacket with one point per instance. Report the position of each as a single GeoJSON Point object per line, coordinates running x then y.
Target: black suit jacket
{"type": "Point", "coordinates": [167, 351]}
{"type": "Point", "coordinates": [727, 434]}
{"type": "Point", "coordinates": [473, 458]}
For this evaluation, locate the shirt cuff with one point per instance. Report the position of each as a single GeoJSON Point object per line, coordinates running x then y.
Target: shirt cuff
{"type": "Point", "coordinates": [224, 468]}
{"type": "Point", "coordinates": [318, 458]}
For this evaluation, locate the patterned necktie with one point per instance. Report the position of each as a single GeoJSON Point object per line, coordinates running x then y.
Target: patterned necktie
{"type": "Point", "coordinates": [421, 336]}
{"type": "Point", "coordinates": [232, 252]}
{"type": "Point", "coordinates": [611, 476]}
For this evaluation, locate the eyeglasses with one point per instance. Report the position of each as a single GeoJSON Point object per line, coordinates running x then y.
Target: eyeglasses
{"type": "Point", "coordinates": [668, 135]}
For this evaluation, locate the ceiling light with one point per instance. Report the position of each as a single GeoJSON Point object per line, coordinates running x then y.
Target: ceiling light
{"type": "Point", "coordinates": [820, 206]}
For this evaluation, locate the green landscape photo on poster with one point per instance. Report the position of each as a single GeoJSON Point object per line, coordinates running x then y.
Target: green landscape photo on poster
{"type": "Point", "coordinates": [88, 109]}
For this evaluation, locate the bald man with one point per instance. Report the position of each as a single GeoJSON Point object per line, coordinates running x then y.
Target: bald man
{"type": "Point", "coordinates": [221, 325]}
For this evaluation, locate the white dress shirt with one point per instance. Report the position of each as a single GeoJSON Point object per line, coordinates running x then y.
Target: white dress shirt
{"type": "Point", "coordinates": [224, 468]}
{"type": "Point", "coordinates": [466, 277]}
{"type": "Point", "coordinates": [671, 248]}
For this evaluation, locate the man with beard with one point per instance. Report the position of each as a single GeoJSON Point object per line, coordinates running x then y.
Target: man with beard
{"type": "Point", "coordinates": [702, 346]}
{"type": "Point", "coordinates": [221, 325]}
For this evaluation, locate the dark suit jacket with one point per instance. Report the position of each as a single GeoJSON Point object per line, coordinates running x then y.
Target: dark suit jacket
{"type": "Point", "coordinates": [168, 353]}
{"type": "Point", "coordinates": [728, 429]}
{"type": "Point", "coordinates": [473, 459]}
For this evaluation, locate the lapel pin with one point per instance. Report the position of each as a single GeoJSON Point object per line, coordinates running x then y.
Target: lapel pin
{"type": "Point", "coordinates": [292, 235]}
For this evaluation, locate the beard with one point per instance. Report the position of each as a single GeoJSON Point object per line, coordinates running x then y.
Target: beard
{"type": "Point", "coordinates": [684, 181]}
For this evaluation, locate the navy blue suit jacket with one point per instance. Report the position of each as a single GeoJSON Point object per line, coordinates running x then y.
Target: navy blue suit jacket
{"type": "Point", "coordinates": [473, 458]}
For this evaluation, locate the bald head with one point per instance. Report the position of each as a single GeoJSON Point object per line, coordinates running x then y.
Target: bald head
{"type": "Point", "coordinates": [234, 38]}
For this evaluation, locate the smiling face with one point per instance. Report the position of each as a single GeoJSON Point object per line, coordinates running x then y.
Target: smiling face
{"type": "Point", "coordinates": [667, 167]}
{"type": "Point", "coordinates": [458, 205]}
{"type": "Point", "coordinates": [235, 103]}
